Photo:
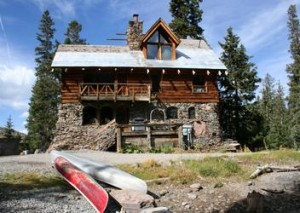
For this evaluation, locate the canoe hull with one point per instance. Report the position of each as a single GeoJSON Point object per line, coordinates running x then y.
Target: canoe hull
{"type": "Point", "coordinates": [83, 183]}
{"type": "Point", "coordinates": [103, 172]}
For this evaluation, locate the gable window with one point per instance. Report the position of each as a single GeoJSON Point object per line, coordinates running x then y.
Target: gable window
{"type": "Point", "coordinates": [158, 47]}
{"type": "Point", "coordinates": [199, 84]}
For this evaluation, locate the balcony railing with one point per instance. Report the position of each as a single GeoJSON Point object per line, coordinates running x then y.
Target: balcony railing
{"type": "Point", "coordinates": [125, 92]}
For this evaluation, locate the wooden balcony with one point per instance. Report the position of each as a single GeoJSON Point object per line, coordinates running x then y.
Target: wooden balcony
{"type": "Point", "coordinates": [115, 92]}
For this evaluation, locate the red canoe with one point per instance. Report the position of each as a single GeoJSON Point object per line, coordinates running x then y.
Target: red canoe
{"type": "Point", "coordinates": [83, 183]}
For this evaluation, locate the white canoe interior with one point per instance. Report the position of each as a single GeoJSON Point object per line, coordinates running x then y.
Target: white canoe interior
{"type": "Point", "coordinates": [103, 172]}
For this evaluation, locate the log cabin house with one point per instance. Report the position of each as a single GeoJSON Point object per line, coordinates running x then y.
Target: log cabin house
{"type": "Point", "coordinates": [156, 90]}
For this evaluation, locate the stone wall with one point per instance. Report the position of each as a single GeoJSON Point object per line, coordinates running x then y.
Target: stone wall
{"type": "Point", "coordinates": [207, 132]}
{"type": "Point", "coordinates": [71, 134]}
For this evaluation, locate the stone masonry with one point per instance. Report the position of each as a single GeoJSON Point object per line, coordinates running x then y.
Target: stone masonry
{"type": "Point", "coordinates": [71, 134]}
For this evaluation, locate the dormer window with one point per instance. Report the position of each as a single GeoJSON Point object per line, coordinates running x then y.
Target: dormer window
{"type": "Point", "coordinates": [160, 42]}
{"type": "Point", "coordinates": [158, 47]}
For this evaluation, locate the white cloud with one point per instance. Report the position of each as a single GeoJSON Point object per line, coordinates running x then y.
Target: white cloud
{"type": "Point", "coordinates": [24, 114]}
{"type": "Point", "coordinates": [15, 86]}
{"type": "Point", "coordinates": [265, 26]}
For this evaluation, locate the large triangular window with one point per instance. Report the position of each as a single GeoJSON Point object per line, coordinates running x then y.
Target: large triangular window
{"type": "Point", "coordinates": [160, 43]}
{"type": "Point", "coordinates": [158, 47]}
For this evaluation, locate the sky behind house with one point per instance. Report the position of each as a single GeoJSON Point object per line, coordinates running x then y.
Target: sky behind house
{"type": "Point", "coordinates": [261, 25]}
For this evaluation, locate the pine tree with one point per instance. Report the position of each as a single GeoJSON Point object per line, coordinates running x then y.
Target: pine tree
{"type": "Point", "coordinates": [73, 34]}
{"type": "Point", "coordinates": [278, 135]}
{"type": "Point", "coordinates": [272, 108]}
{"type": "Point", "coordinates": [293, 71]}
{"type": "Point", "coordinates": [186, 18]}
{"type": "Point", "coordinates": [43, 103]}
{"type": "Point", "coordinates": [8, 131]}
{"type": "Point", "coordinates": [237, 89]}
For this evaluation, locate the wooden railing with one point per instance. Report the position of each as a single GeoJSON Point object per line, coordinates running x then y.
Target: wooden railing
{"type": "Point", "coordinates": [102, 91]}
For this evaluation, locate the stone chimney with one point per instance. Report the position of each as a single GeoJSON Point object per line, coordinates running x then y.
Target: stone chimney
{"type": "Point", "coordinates": [134, 33]}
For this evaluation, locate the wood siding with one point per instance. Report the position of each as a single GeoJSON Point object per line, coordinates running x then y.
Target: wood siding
{"type": "Point", "coordinates": [174, 87]}
{"type": "Point", "coordinates": [179, 88]}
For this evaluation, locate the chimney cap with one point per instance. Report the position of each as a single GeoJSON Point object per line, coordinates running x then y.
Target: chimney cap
{"type": "Point", "coordinates": [135, 17]}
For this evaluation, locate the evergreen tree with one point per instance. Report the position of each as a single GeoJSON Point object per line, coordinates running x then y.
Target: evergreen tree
{"type": "Point", "coordinates": [186, 18]}
{"type": "Point", "coordinates": [278, 135]}
{"type": "Point", "coordinates": [73, 34]}
{"type": "Point", "coordinates": [8, 131]}
{"type": "Point", "coordinates": [293, 71]}
{"type": "Point", "coordinates": [237, 90]}
{"type": "Point", "coordinates": [43, 102]}
{"type": "Point", "coordinates": [272, 108]}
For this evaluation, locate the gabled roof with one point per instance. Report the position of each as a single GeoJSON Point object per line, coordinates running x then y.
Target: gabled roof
{"type": "Point", "coordinates": [190, 54]}
{"type": "Point", "coordinates": [160, 23]}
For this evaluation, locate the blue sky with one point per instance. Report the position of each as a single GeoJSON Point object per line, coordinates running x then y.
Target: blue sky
{"type": "Point", "coordinates": [261, 25]}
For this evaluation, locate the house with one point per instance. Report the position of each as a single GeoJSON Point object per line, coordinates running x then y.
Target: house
{"type": "Point", "coordinates": [156, 90]}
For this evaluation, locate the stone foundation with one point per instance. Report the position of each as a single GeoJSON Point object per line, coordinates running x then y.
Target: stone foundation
{"type": "Point", "coordinates": [72, 134]}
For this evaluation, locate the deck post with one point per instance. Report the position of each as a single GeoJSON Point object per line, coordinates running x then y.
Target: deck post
{"type": "Point", "coordinates": [180, 137]}
{"type": "Point", "coordinates": [148, 129]}
{"type": "Point", "coordinates": [119, 139]}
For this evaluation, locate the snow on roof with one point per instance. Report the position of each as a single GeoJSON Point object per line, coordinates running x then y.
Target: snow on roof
{"type": "Point", "coordinates": [191, 54]}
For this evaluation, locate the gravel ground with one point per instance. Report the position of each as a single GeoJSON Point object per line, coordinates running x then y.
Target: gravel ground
{"type": "Point", "coordinates": [230, 198]}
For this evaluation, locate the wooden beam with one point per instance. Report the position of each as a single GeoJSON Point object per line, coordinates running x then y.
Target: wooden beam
{"type": "Point", "coordinates": [119, 139]}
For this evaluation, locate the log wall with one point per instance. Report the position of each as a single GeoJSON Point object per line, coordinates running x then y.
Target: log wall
{"type": "Point", "coordinates": [174, 87]}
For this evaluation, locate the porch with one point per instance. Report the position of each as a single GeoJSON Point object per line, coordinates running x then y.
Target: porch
{"type": "Point", "coordinates": [115, 92]}
{"type": "Point", "coordinates": [150, 135]}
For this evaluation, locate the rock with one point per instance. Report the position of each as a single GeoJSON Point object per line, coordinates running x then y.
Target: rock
{"type": "Point", "coordinates": [192, 196]}
{"type": "Point", "coordinates": [184, 203]}
{"type": "Point", "coordinates": [196, 187]}
{"type": "Point", "coordinates": [163, 192]}
{"type": "Point", "coordinates": [37, 151]}
{"type": "Point", "coordinates": [132, 201]}
{"type": "Point", "coordinates": [156, 210]}
{"type": "Point", "coordinates": [251, 183]}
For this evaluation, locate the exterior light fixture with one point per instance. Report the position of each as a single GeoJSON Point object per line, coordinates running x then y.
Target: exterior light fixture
{"type": "Point", "coordinates": [131, 69]}
{"type": "Point", "coordinates": [178, 71]}
{"type": "Point", "coordinates": [82, 68]}
{"type": "Point", "coordinates": [219, 73]}
{"type": "Point", "coordinates": [163, 71]}
{"type": "Point", "coordinates": [148, 71]}
{"type": "Point", "coordinates": [66, 69]}
{"type": "Point", "coordinates": [99, 69]}
{"type": "Point", "coordinates": [193, 71]}
{"type": "Point", "coordinates": [116, 69]}
{"type": "Point", "coordinates": [208, 72]}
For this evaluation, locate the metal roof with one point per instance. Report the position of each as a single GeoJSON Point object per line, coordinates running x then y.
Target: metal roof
{"type": "Point", "coordinates": [191, 54]}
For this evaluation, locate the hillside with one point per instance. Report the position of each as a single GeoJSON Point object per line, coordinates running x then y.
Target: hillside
{"type": "Point", "coordinates": [15, 133]}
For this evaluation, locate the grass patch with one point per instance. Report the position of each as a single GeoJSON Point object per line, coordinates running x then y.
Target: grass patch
{"type": "Point", "coordinates": [29, 180]}
{"type": "Point", "coordinates": [186, 171]}
{"type": "Point", "coordinates": [148, 170]}
{"type": "Point", "coordinates": [278, 157]}
{"type": "Point", "coordinates": [216, 169]}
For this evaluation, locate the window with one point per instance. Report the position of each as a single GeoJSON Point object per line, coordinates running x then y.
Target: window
{"type": "Point", "coordinates": [157, 115]}
{"type": "Point", "coordinates": [199, 84]}
{"type": "Point", "coordinates": [172, 113]}
{"type": "Point", "coordinates": [89, 116]}
{"type": "Point", "coordinates": [192, 113]}
{"type": "Point", "coordinates": [106, 115]}
{"type": "Point", "coordinates": [158, 47]}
